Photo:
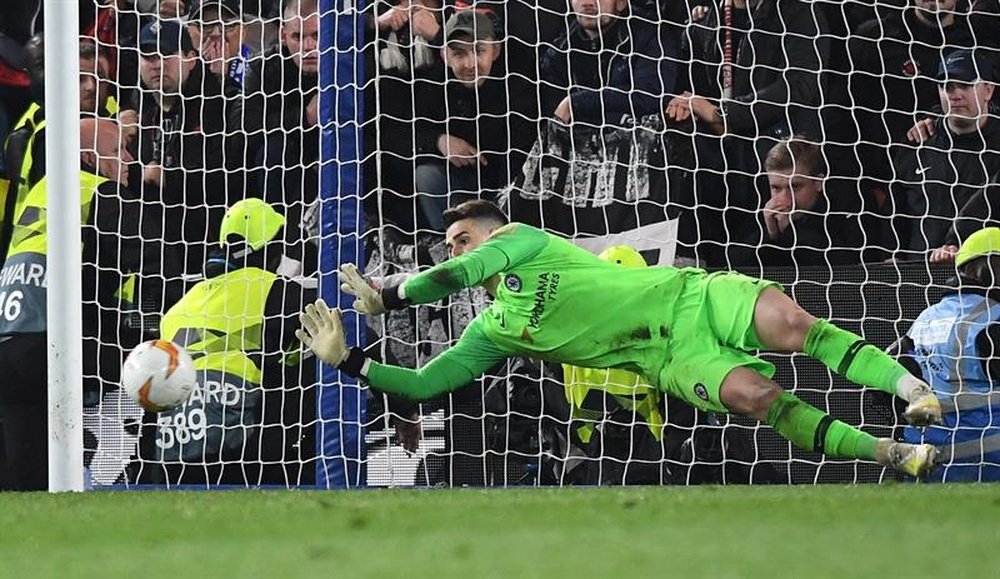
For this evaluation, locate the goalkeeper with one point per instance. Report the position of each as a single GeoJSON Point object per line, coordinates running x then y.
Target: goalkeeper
{"type": "Point", "coordinates": [684, 330]}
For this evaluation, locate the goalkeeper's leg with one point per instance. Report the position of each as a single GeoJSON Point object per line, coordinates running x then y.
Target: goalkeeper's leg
{"type": "Point", "coordinates": [782, 325]}
{"type": "Point", "coordinates": [747, 392]}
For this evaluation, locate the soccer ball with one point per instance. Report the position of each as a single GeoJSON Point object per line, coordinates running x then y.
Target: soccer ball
{"type": "Point", "coordinates": [159, 375]}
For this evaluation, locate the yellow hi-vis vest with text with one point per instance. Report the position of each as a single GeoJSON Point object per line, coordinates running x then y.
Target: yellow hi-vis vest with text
{"type": "Point", "coordinates": [218, 321]}
{"type": "Point", "coordinates": [23, 277]}
{"type": "Point", "coordinates": [626, 387]}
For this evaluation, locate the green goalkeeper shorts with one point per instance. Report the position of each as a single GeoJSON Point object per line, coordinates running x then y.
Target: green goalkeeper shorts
{"type": "Point", "coordinates": [712, 329]}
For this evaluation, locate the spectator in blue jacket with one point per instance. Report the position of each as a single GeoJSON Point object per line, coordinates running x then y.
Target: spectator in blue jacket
{"type": "Point", "coordinates": [610, 65]}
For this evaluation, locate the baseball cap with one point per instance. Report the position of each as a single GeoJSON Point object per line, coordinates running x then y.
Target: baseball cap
{"type": "Point", "coordinates": [964, 66]}
{"type": "Point", "coordinates": [228, 9]}
{"type": "Point", "coordinates": [165, 37]}
{"type": "Point", "coordinates": [475, 24]}
{"type": "Point", "coordinates": [981, 243]}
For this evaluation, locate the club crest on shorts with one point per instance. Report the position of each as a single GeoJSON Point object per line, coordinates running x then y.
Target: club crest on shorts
{"type": "Point", "coordinates": [701, 392]}
{"type": "Point", "coordinates": [512, 282]}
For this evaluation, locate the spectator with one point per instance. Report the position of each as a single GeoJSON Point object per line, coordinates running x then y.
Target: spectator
{"type": "Point", "coordinates": [775, 87]}
{"type": "Point", "coordinates": [771, 90]}
{"type": "Point", "coordinates": [24, 150]}
{"type": "Point", "coordinates": [953, 345]}
{"type": "Point", "coordinates": [893, 60]}
{"type": "Point", "coordinates": [610, 64]}
{"type": "Point", "coordinates": [530, 28]}
{"type": "Point", "coordinates": [477, 141]}
{"type": "Point", "coordinates": [809, 219]}
{"type": "Point", "coordinates": [94, 81]}
{"type": "Point", "coordinates": [216, 27]}
{"type": "Point", "coordinates": [935, 179]}
{"type": "Point", "coordinates": [110, 250]}
{"type": "Point", "coordinates": [182, 146]}
{"type": "Point", "coordinates": [405, 48]}
{"type": "Point", "coordinates": [286, 100]}
{"type": "Point", "coordinates": [29, 168]}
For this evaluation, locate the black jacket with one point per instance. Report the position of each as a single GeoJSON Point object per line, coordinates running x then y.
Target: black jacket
{"type": "Point", "coordinates": [200, 145]}
{"type": "Point", "coordinates": [934, 180]}
{"type": "Point", "coordinates": [496, 118]}
{"type": "Point", "coordinates": [842, 229]}
{"type": "Point", "coordinates": [980, 211]}
{"type": "Point", "coordinates": [776, 80]}
{"type": "Point", "coordinates": [626, 73]}
{"type": "Point", "coordinates": [894, 62]}
{"type": "Point", "coordinates": [112, 250]}
{"type": "Point", "coordinates": [283, 154]}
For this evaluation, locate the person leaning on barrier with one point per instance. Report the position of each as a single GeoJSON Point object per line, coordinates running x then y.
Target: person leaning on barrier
{"type": "Point", "coordinates": [809, 217]}
{"type": "Point", "coordinates": [111, 249]}
{"type": "Point", "coordinates": [955, 346]}
{"type": "Point", "coordinates": [238, 324]}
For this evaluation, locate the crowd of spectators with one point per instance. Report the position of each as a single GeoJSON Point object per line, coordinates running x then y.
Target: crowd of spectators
{"type": "Point", "coordinates": [220, 98]}
{"type": "Point", "coordinates": [892, 99]}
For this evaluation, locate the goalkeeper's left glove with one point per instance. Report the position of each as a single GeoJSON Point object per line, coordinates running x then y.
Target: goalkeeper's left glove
{"type": "Point", "coordinates": [369, 300]}
{"type": "Point", "coordinates": [324, 334]}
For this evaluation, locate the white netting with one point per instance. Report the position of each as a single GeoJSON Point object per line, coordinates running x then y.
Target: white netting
{"type": "Point", "coordinates": [806, 142]}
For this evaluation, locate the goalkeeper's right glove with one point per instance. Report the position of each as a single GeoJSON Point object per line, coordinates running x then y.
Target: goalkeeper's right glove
{"type": "Point", "coordinates": [370, 301]}
{"type": "Point", "coordinates": [324, 334]}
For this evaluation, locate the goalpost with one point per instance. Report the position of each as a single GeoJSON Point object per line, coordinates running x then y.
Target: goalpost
{"type": "Point", "coordinates": [65, 335]}
{"type": "Point", "coordinates": [614, 182]}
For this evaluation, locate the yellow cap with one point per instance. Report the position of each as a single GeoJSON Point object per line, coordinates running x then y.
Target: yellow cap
{"type": "Point", "coordinates": [623, 255]}
{"type": "Point", "coordinates": [983, 242]}
{"type": "Point", "coordinates": [253, 220]}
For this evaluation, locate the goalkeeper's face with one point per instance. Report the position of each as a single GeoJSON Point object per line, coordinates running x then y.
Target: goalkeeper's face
{"type": "Point", "coordinates": [465, 235]}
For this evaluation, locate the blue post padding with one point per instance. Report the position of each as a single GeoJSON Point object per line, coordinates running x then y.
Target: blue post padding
{"type": "Point", "coordinates": [340, 406]}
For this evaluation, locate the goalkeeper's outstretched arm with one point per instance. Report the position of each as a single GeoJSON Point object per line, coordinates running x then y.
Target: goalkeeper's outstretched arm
{"type": "Point", "coordinates": [471, 357]}
{"type": "Point", "coordinates": [508, 247]}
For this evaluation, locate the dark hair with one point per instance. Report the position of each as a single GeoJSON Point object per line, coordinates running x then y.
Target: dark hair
{"type": "Point", "coordinates": [796, 150]}
{"type": "Point", "coordinates": [478, 209]}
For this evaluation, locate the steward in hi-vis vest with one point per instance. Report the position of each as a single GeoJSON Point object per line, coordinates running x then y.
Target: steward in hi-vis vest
{"type": "Point", "coordinates": [111, 249]}
{"type": "Point", "coordinates": [248, 420]}
{"type": "Point", "coordinates": [956, 344]}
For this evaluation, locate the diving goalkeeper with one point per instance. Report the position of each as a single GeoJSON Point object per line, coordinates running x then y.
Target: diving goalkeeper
{"type": "Point", "coordinates": [684, 330]}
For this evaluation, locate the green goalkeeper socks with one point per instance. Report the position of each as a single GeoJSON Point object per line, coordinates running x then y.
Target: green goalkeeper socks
{"type": "Point", "coordinates": [850, 356]}
{"type": "Point", "coordinates": [809, 428]}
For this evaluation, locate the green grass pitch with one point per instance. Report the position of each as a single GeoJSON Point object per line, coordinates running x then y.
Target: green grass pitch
{"type": "Point", "coordinates": [778, 531]}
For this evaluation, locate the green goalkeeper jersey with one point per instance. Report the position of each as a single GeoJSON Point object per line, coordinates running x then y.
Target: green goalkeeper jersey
{"type": "Point", "coordinates": [554, 301]}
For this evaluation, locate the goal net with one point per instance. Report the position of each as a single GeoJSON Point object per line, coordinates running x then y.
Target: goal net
{"type": "Point", "coordinates": [828, 146]}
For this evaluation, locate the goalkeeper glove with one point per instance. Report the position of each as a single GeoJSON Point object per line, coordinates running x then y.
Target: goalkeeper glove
{"type": "Point", "coordinates": [323, 332]}
{"type": "Point", "coordinates": [369, 300]}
